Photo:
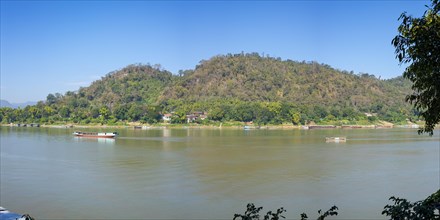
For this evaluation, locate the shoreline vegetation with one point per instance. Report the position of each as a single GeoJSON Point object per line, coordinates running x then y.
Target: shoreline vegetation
{"type": "Point", "coordinates": [232, 90]}
{"type": "Point", "coordinates": [223, 125]}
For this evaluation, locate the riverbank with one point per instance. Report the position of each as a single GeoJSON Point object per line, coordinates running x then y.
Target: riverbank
{"type": "Point", "coordinates": [227, 125]}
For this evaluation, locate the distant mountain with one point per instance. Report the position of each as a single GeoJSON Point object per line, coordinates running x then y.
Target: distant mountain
{"type": "Point", "coordinates": [4, 103]}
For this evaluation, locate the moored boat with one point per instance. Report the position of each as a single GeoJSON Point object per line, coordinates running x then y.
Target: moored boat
{"type": "Point", "coordinates": [7, 215]}
{"type": "Point", "coordinates": [95, 134]}
{"type": "Point", "coordinates": [321, 126]}
{"type": "Point", "coordinates": [335, 139]}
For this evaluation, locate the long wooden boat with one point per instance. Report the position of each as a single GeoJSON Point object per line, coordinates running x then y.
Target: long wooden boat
{"type": "Point", "coordinates": [95, 134]}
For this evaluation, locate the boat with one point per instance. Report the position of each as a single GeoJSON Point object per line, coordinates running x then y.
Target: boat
{"type": "Point", "coordinates": [351, 126]}
{"type": "Point", "coordinates": [7, 215]}
{"type": "Point", "coordinates": [335, 139]}
{"type": "Point", "coordinates": [321, 126]}
{"type": "Point", "coordinates": [95, 134]}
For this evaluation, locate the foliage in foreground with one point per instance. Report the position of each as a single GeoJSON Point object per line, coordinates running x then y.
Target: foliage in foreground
{"type": "Point", "coordinates": [253, 213]}
{"type": "Point", "coordinates": [404, 209]}
{"type": "Point", "coordinates": [418, 44]}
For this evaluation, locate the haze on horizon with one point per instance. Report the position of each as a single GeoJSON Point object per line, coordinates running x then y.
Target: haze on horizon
{"type": "Point", "coordinates": [49, 47]}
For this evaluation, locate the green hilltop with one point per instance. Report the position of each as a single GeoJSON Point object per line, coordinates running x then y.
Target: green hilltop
{"type": "Point", "coordinates": [251, 77]}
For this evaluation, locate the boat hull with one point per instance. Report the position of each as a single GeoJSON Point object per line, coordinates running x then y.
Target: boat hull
{"type": "Point", "coordinates": [335, 139]}
{"type": "Point", "coordinates": [95, 134]}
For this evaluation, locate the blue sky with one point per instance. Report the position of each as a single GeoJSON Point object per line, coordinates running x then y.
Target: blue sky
{"type": "Point", "coordinates": [50, 46]}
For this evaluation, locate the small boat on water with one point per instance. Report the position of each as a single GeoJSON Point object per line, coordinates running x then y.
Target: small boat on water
{"type": "Point", "coordinates": [7, 215]}
{"type": "Point", "coordinates": [335, 139]}
{"type": "Point", "coordinates": [95, 134]}
{"type": "Point", "coordinates": [247, 127]}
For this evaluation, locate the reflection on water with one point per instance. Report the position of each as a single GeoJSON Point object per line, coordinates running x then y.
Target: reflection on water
{"type": "Point", "coordinates": [212, 173]}
{"type": "Point", "coordinates": [108, 141]}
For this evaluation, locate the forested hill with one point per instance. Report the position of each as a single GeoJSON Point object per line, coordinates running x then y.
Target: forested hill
{"type": "Point", "coordinates": [132, 84]}
{"type": "Point", "coordinates": [251, 77]}
{"type": "Point", "coordinates": [240, 87]}
{"type": "Point", "coordinates": [246, 77]}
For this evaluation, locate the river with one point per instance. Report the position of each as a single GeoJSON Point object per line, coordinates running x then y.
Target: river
{"type": "Point", "coordinates": [213, 173]}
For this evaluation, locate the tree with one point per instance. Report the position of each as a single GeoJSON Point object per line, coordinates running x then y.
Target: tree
{"type": "Point", "coordinates": [135, 112]}
{"type": "Point", "coordinates": [64, 112]}
{"type": "Point", "coordinates": [151, 115]}
{"type": "Point", "coordinates": [104, 112]}
{"type": "Point", "coordinates": [418, 44]}
{"type": "Point", "coordinates": [179, 117]}
{"type": "Point", "coordinates": [47, 111]}
{"type": "Point", "coordinates": [120, 112]}
{"type": "Point", "coordinates": [51, 99]}
{"type": "Point", "coordinates": [253, 213]}
{"type": "Point", "coordinates": [404, 209]}
{"type": "Point", "coordinates": [94, 112]}
{"type": "Point", "coordinates": [295, 116]}
{"type": "Point", "coordinates": [216, 113]}
{"type": "Point", "coordinates": [244, 111]}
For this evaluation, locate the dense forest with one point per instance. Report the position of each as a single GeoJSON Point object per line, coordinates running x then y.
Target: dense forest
{"type": "Point", "coordinates": [233, 87]}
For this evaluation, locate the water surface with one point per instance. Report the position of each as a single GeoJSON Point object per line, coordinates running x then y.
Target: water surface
{"type": "Point", "coordinates": [212, 173]}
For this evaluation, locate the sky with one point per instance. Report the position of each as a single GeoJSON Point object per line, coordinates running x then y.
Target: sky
{"type": "Point", "coordinates": [59, 46]}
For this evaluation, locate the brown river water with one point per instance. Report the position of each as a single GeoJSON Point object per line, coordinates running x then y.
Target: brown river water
{"type": "Point", "coordinates": [213, 173]}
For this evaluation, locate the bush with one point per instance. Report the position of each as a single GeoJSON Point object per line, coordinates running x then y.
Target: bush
{"type": "Point", "coordinates": [253, 213]}
{"type": "Point", "coordinates": [404, 209]}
